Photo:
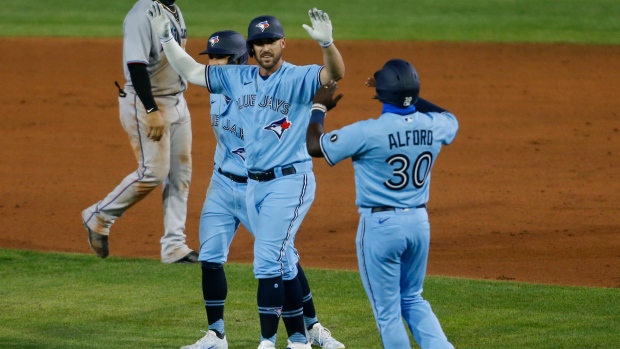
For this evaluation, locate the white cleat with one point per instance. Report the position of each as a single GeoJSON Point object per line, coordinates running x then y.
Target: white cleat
{"type": "Point", "coordinates": [265, 344]}
{"type": "Point", "coordinates": [322, 337]}
{"type": "Point", "coordinates": [209, 341]}
{"type": "Point", "coordinates": [292, 345]}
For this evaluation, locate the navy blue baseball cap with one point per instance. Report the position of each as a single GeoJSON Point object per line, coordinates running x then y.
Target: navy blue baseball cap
{"type": "Point", "coordinates": [265, 27]}
{"type": "Point", "coordinates": [229, 43]}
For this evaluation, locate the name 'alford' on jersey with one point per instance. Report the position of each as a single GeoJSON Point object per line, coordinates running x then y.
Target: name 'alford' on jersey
{"type": "Point", "coordinates": [410, 137]}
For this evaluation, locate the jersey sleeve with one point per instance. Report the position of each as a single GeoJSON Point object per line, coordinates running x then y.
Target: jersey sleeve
{"type": "Point", "coordinates": [214, 78]}
{"type": "Point", "coordinates": [343, 143]}
{"type": "Point", "coordinates": [449, 127]}
{"type": "Point", "coordinates": [137, 38]}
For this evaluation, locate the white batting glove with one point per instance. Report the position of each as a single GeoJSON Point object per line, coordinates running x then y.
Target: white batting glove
{"type": "Point", "coordinates": [321, 29]}
{"type": "Point", "coordinates": [160, 22]}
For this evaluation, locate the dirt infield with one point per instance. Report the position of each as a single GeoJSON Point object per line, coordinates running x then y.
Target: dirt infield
{"type": "Point", "coordinates": [529, 191]}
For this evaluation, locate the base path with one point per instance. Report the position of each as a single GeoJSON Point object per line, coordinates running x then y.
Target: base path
{"type": "Point", "coordinates": [529, 191]}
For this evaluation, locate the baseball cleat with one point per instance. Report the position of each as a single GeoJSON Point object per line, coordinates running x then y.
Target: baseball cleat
{"type": "Point", "coordinates": [292, 345]}
{"type": "Point", "coordinates": [190, 258]}
{"type": "Point", "coordinates": [265, 344]}
{"type": "Point", "coordinates": [97, 242]}
{"type": "Point", "coordinates": [209, 341]}
{"type": "Point", "coordinates": [322, 337]}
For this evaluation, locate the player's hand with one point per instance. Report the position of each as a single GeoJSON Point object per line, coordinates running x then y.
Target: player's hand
{"type": "Point", "coordinates": [159, 21]}
{"type": "Point", "coordinates": [371, 82]}
{"type": "Point", "coordinates": [155, 125]}
{"type": "Point", "coordinates": [321, 29]}
{"type": "Point", "coordinates": [325, 95]}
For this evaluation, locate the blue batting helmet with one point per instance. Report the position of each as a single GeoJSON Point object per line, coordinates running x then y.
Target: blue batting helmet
{"type": "Point", "coordinates": [397, 83]}
{"type": "Point", "coordinates": [230, 43]}
{"type": "Point", "coordinates": [264, 27]}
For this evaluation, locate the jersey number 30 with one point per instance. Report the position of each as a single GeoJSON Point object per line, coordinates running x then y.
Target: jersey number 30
{"type": "Point", "coordinates": [419, 174]}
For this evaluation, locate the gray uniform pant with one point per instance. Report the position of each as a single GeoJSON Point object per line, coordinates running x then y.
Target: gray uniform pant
{"type": "Point", "coordinates": [167, 161]}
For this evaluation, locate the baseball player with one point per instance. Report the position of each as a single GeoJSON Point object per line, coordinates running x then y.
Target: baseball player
{"type": "Point", "coordinates": [154, 113]}
{"type": "Point", "coordinates": [273, 100]}
{"type": "Point", "coordinates": [224, 208]}
{"type": "Point", "coordinates": [392, 159]}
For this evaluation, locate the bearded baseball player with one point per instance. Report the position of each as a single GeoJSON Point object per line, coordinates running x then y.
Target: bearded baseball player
{"type": "Point", "coordinates": [392, 159]}
{"type": "Point", "coordinates": [154, 114]}
{"type": "Point", "coordinates": [273, 100]}
{"type": "Point", "coordinates": [225, 208]}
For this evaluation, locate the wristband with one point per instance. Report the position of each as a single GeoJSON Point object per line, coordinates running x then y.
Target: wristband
{"type": "Point", "coordinates": [319, 106]}
{"type": "Point", "coordinates": [317, 115]}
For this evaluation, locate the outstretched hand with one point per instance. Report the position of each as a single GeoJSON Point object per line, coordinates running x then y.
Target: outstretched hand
{"type": "Point", "coordinates": [159, 21]}
{"type": "Point", "coordinates": [325, 95]}
{"type": "Point", "coordinates": [321, 29]}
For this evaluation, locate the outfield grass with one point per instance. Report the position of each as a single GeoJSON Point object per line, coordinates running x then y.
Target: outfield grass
{"type": "Point", "coordinates": [64, 301]}
{"type": "Point", "coordinates": [567, 21]}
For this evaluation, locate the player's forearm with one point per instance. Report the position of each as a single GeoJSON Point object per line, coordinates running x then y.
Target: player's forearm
{"type": "Point", "coordinates": [142, 85]}
{"type": "Point", "coordinates": [334, 64]}
{"type": "Point", "coordinates": [184, 64]}
{"type": "Point", "coordinates": [314, 133]}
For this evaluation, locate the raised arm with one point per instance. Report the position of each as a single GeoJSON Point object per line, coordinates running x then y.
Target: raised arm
{"type": "Point", "coordinates": [183, 63]}
{"type": "Point", "coordinates": [324, 100]}
{"type": "Point", "coordinates": [321, 31]}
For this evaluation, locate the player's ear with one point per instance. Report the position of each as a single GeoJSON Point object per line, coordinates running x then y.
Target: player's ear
{"type": "Point", "coordinates": [283, 43]}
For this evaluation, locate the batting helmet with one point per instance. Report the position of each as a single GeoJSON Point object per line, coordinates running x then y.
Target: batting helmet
{"type": "Point", "coordinates": [230, 43]}
{"type": "Point", "coordinates": [263, 27]}
{"type": "Point", "coordinates": [397, 83]}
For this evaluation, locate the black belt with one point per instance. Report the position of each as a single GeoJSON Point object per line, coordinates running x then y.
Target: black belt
{"type": "Point", "coordinates": [270, 174]}
{"type": "Point", "coordinates": [390, 208]}
{"type": "Point", "coordinates": [233, 177]}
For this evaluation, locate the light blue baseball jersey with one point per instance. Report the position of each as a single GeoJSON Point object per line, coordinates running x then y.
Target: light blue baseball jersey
{"type": "Point", "coordinates": [226, 122]}
{"type": "Point", "coordinates": [392, 155]}
{"type": "Point", "coordinates": [275, 112]}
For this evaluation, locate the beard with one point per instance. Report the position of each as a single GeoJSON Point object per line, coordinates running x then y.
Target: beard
{"type": "Point", "coordinates": [270, 61]}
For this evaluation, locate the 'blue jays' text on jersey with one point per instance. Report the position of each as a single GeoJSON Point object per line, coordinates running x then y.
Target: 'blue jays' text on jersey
{"type": "Point", "coordinates": [275, 112]}
{"type": "Point", "coordinates": [226, 122]}
{"type": "Point", "coordinates": [392, 155]}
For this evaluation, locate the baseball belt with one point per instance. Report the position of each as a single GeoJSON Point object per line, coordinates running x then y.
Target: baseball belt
{"type": "Point", "coordinates": [390, 208]}
{"type": "Point", "coordinates": [270, 174]}
{"type": "Point", "coordinates": [233, 177]}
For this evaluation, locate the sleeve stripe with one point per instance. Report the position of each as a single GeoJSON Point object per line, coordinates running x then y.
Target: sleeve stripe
{"type": "Point", "coordinates": [208, 83]}
{"type": "Point", "coordinates": [329, 162]}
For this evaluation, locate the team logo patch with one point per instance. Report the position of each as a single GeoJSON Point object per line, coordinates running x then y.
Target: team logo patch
{"type": "Point", "coordinates": [240, 152]}
{"type": "Point", "coordinates": [275, 311]}
{"type": "Point", "coordinates": [333, 138]}
{"type": "Point", "coordinates": [214, 40]}
{"type": "Point", "coordinates": [263, 25]}
{"type": "Point", "coordinates": [279, 126]}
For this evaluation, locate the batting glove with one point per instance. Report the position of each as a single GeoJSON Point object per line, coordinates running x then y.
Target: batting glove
{"type": "Point", "coordinates": [160, 22]}
{"type": "Point", "coordinates": [321, 29]}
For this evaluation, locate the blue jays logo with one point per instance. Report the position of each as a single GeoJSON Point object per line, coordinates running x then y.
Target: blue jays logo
{"type": "Point", "coordinates": [214, 40]}
{"type": "Point", "coordinates": [275, 311]}
{"type": "Point", "coordinates": [263, 25]}
{"type": "Point", "coordinates": [240, 152]}
{"type": "Point", "coordinates": [279, 126]}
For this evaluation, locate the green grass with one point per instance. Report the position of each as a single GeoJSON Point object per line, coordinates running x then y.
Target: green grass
{"type": "Point", "coordinates": [53, 300]}
{"type": "Point", "coordinates": [566, 21]}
